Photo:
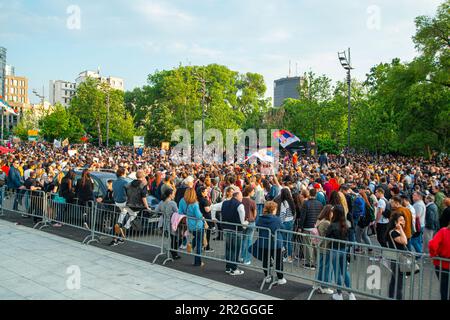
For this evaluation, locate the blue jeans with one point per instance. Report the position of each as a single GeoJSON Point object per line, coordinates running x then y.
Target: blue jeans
{"type": "Point", "coordinates": [233, 241]}
{"type": "Point", "coordinates": [324, 266]}
{"type": "Point", "coordinates": [247, 241]}
{"type": "Point", "coordinates": [197, 244]}
{"type": "Point", "coordinates": [287, 237]}
{"type": "Point", "coordinates": [339, 262]}
{"type": "Point", "coordinates": [417, 243]}
{"type": "Point", "coordinates": [259, 209]}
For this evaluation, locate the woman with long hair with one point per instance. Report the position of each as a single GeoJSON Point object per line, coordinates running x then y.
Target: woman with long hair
{"type": "Point", "coordinates": [339, 230]}
{"type": "Point", "coordinates": [324, 271]}
{"type": "Point", "coordinates": [286, 212]}
{"type": "Point", "coordinates": [167, 207]}
{"type": "Point", "coordinates": [396, 239]}
{"type": "Point", "coordinates": [85, 194]}
{"type": "Point", "coordinates": [189, 206]}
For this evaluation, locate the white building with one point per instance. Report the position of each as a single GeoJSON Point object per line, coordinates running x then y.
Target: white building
{"type": "Point", "coordinates": [114, 82]}
{"type": "Point", "coordinates": [10, 70]}
{"type": "Point", "coordinates": [61, 91]}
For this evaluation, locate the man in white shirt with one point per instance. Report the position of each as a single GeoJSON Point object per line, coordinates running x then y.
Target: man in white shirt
{"type": "Point", "coordinates": [381, 221]}
{"type": "Point", "coordinates": [420, 210]}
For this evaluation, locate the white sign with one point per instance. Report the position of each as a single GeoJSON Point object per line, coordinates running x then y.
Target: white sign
{"type": "Point", "coordinates": [72, 152]}
{"type": "Point", "coordinates": [138, 141]}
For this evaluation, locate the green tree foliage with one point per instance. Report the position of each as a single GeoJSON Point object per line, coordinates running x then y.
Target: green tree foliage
{"type": "Point", "coordinates": [28, 121]}
{"type": "Point", "coordinates": [60, 124]}
{"type": "Point", "coordinates": [90, 106]}
{"type": "Point", "coordinates": [173, 99]}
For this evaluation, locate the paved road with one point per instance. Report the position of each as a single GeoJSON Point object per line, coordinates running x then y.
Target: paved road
{"type": "Point", "coordinates": [34, 266]}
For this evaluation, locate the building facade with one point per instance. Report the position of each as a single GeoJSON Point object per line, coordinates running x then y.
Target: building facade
{"type": "Point", "coordinates": [16, 94]}
{"type": "Point", "coordinates": [2, 70]}
{"type": "Point", "coordinates": [114, 82]}
{"type": "Point", "coordinates": [286, 88]}
{"type": "Point", "coordinates": [10, 70]}
{"type": "Point", "coordinates": [61, 92]}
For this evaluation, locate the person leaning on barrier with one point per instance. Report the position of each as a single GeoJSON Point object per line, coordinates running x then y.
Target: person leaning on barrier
{"type": "Point", "coordinates": [266, 250]}
{"type": "Point", "coordinates": [85, 194]}
{"type": "Point", "coordinates": [36, 200]}
{"type": "Point", "coordinates": [136, 193]}
{"type": "Point", "coordinates": [120, 200]}
{"type": "Point", "coordinates": [167, 207]}
{"type": "Point", "coordinates": [14, 182]}
{"type": "Point", "coordinates": [233, 212]}
{"type": "Point", "coordinates": [439, 247]}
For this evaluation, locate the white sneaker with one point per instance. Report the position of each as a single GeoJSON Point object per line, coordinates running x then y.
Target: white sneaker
{"type": "Point", "coordinates": [325, 290]}
{"type": "Point", "coordinates": [337, 296]}
{"type": "Point", "coordinates": [237, 272]}
{"type": "Point", "coordinates": [351, 296]}
{"type": "Point", "coordinates": [281, 281]}
{"type": "Point", "coordinates": [269, 280]}
{"type": "Point", "coordinates": [182, 247]}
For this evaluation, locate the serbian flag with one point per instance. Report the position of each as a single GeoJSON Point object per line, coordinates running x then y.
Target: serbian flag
{"type": "Point", "coordinates": [4, 105]}
{"type": "Point", "coordinates": [285, 137]}
{"type": "Point", "coordinates": [265, 155]}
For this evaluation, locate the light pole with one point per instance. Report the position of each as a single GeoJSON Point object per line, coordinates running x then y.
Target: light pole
{"type": "Point", "coordinates": [107, 120]}
{"type": "Point", "coordinates": [204, 92]}
{"type": "Point", "coordinates": [346, 64]}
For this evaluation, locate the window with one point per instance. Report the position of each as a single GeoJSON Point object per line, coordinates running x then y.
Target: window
{"type": "Point", "coordinates": [11, 90]}
{"type": "Point", "coordinates": [15, 83]}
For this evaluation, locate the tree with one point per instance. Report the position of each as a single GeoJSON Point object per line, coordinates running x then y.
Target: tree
{"type": "Point", "coordinates": [60, 124]}
{"type": "Point", "coordinates": [90, 106]}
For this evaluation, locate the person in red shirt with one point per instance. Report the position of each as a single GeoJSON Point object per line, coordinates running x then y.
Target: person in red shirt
{"type": "Point", "coordinates": [439, 247]}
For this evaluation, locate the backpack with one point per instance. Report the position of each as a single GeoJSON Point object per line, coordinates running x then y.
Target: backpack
{"type": "Point", "coordinates": [368, 218]}
{"type": "Point", "coordinates": [388, 210]}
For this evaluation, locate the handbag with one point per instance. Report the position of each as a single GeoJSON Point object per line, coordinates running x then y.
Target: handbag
{"type": "Point", "coordinates": [407, 262]}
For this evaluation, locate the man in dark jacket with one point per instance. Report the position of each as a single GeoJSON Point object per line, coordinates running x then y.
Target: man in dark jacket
{"type": "Point", "coordinates": [233, 212]}
{"type": "Point", "coordinates": [308, 217]}
{"type": "Point", "coordinates": [431, 221]}
{"type": "Point", "coordinates": [14, 182]}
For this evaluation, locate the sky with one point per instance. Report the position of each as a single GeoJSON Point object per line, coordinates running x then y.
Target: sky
{"type": "Point", "coordinates": [57, 39]}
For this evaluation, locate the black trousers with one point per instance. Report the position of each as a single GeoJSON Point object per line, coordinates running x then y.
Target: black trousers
{"type": "Point", "coordinates": [443, 275]}
{"type": "Point", "coordinates": [175, 242]}
{"type": "Point", "coordinates": [396, 283]}
{"type": "Point", "coordinates": [266, 257]}
{"type": "Point", "coordinates": [381, 234]}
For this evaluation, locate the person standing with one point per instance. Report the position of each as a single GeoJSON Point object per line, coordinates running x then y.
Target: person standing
{"type": "Point", "coordinates": [205, 209]}
{"type": "Point", "coordinates": [85, 194]}
{"type": "Point", "coordinates": [14, 182]}
{"type": "Point", "coordinates": [439, 247]}
{"type": "Point", "coordinates": [120, 200]}
{"type": "Point", "coordinates": [396, 239]}
{"type": "Point", "coordinates": [383, 210]}
{"type": "Point", "coordinates": [420, 211]}
{"type": "Point", "coordinates": [324, 271]}
{"type": "Point", "coordinates": [286, 211]}
{"type": "Point", "coordinates": [338, 230]}
{"type": "Point", "coordinates": [431, 221]}
{"type": "Point", "coordinates": [167, 207]}
{"type": "Point", "coordinates": [233, 212]}
{"type": "Point", "coordinates": [259, 195]}
{"type": "Point", "coordinates": [309, 215]}
{"type": "Point", "coordinates": [250, 217]}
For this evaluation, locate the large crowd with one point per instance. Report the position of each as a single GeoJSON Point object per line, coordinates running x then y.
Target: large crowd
{"type": "Point", "coordinates": [403, 201]}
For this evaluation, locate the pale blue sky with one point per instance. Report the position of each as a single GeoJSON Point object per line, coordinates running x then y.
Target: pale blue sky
{"type": "Point", "coordinates": [132, 38]}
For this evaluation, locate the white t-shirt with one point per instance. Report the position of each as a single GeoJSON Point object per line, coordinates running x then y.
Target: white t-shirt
{"type": "Point", "coordinates": [382, 205]}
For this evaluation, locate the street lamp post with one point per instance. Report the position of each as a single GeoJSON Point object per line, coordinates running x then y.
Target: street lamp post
{"type": "Point", "coordinates": [107, 120]}
{"type": "Point", "coordinates": [346, 64]}
{"type": "Point", "coordinates": [204, 92]}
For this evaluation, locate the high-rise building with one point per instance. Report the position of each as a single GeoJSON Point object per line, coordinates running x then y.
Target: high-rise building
{"type": "Point", "coordinates": [286, 88]}
{"type": "Point", "coordinates": [10, 70]}
{"type": "Point", "coordinates": [114, 82]}
{"type": "Point", "coordinates": [16, 94]}
{"type": "Point", "coordinates": [61, 92]}
{"type": "Point", "coordinates": [2, 70]}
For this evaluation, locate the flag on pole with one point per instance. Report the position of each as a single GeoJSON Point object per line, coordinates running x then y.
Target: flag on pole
{"type": "Point", "coordinates": [285, 138]}
{"type": "Point", "coordinates": [4, 105]}
{"type": "Point", "coordinates": [65, 142]}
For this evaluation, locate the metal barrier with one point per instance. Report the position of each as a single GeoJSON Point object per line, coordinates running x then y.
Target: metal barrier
{"type": "Point", "coordinates": [27, 203]}
{"type": "Point", "coordinates": [223, 244]}
{"type": "Point", "coordinates": [79, 215]}
{"type": "Point", "coordinates": [370, 271]}
{"type": "Point", "coordinates": [124, 224]}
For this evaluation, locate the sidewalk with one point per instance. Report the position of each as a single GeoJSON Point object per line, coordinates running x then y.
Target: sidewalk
{"type": "Point", "coordinates": [36, 265]}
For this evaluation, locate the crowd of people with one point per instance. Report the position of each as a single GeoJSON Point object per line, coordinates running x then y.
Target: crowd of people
{"type": "Point", "coordinates": [403, 201]}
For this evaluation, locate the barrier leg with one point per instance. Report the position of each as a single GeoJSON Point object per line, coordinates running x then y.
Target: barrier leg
{"type": "Point", "coordinates": [91, 238]}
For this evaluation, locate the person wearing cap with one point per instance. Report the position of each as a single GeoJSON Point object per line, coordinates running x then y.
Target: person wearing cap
{"type": "Point", "coordinates": [320, 196]}
{"type": "Point", "coordinates": [187, 183]}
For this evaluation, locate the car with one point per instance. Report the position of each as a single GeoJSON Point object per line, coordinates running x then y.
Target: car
{"type": "Point", "coordinates": [100, 179]}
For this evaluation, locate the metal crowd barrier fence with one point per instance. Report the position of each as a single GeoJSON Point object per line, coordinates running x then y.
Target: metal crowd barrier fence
{"type": "Point", "coordinates": [366, 270]}
{"type": "Point", "coordinates": [77, 214]}
{"type": "Point", "coordinates": [27, 203]}
{"type": "Point", "coordinates": [123, 224]}
{"type": "Point", "coordinates": [231, 244]}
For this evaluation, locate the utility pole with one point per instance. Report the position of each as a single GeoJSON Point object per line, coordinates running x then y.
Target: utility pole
{"type": "Point", "coordinates": [346, 64]}
{"type": "Point", "coordinates": [107, 120]}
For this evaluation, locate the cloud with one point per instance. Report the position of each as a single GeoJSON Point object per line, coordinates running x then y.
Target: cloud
{"type": "Point", "coordinates": [159, 11]}
{"type": "Point", "coordinates": [275, 36]}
